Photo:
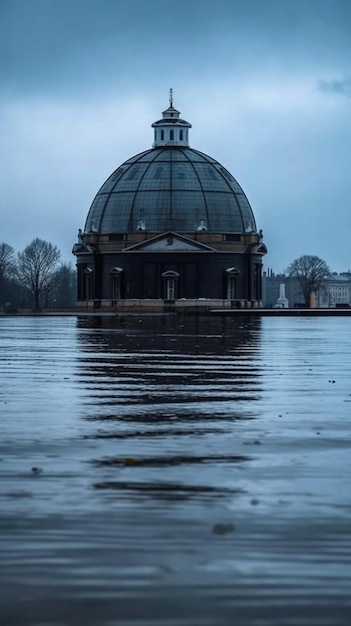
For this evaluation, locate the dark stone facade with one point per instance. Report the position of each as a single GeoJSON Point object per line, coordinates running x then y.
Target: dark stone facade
{"type": "Point", "coordinates": [140, 274]}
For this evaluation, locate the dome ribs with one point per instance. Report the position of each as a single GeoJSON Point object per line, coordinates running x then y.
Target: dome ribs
{"type": "Point", "coordinates": [130, 221]}
{"type": "Point", "coordinates": [208, 225]}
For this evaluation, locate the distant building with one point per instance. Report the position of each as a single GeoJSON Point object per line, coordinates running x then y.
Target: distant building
{"type": "Point", "coordinates": [271, 290]}
{"type": "Point", "coordinates": [170, 224]}
{"type": "Point", "coordinates": [335, 291]}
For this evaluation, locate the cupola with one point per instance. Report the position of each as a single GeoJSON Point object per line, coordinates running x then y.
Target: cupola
{"type": "Point", "coordinates": [171, 130]}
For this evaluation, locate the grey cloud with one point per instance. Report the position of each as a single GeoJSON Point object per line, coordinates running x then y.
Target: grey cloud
{"type": "Point", "coordinates": [64, 47]}
{"type": "Point", "coordinates": [338, 86]}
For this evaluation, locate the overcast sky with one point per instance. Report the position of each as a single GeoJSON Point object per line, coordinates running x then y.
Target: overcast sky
{"type": "Point", "coordinates": [266, 85]}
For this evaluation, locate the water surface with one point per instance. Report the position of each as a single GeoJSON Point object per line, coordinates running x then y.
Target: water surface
{"type": "Point", "coordinates": [175, 470]}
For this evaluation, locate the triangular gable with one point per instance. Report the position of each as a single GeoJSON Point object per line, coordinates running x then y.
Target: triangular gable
{"type": "Point", "coordinates": [257, 248]}
{"type": "Point", "coordinates": [260, 249]}
{"type": "Point", "coordinates": [169, 242]}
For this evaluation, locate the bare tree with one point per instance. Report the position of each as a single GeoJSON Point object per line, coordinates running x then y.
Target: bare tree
{"type": "Point", "coordinates": [7, 261]}
{"type": "Point", "coordinates": [63, 294]}
{"type": "Point", "coordinates": [36, 267]}
{"type": "Point", "coordinates": [311, 272]}
{"type": "Point", "coordinates": [7, 264]}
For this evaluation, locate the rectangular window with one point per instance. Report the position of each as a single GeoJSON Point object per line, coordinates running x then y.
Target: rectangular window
{"type": "Point", "coordinates": [170, 289]}
{"type": "Point", "coordinates": [232, 237]}
{"type": "Point", "coordinates": [231, 288]}
{"type": "Point", "coordinates": [116, 287]}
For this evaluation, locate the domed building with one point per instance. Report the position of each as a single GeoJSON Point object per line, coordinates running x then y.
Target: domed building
{"type": "Point", "coordinates": [170, 227]}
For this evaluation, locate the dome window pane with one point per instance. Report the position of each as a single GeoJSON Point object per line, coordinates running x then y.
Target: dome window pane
{"type": "Point", "coordinates": [133, 173]}
{"type": "Point", "coordinates": [212, 173]}
{"type": "Point", "coordinates": [117, 174]}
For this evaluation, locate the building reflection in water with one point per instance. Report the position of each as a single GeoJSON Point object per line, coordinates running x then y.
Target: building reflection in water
{"type": "Point", "coordinates": [166, 399]}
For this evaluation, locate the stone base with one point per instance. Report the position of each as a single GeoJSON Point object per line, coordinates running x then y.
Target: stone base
{"type": "Point", "coordinates": [163, 306]}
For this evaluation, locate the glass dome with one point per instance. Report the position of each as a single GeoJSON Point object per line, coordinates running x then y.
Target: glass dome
{"type": "Point", "coordinates": [170, 188]}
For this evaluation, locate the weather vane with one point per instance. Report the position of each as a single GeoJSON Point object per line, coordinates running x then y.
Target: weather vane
{"type": "Point", "coordinates": [171, 97]}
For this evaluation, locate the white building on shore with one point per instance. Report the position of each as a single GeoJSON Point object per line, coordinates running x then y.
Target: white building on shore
{"type": "Point", "coordinates": [335, 291]}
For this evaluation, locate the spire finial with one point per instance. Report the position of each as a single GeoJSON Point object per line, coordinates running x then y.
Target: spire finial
{"type": "Point", "coordinates": [171, 97]}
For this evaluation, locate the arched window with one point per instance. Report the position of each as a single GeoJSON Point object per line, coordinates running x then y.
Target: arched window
{"type": "Point", "coordinates": [170, 289]}
{"type": "Point", "coordinates": [170, 285]}
{"type": "Point", "coordinates": [231, 291]}
{"type": "Point", "coordinates": [232, 274]}
{"type": "Point", "coordinates": [162, 135]}
{"type": "Point", "coordinates": [88, 283]}
{"type": "Point", "coordinates": [171, 135]}
{"type": "Point", "coordinates": [116, 275]}
{"type": "Point", "coordinates": [180, 135]}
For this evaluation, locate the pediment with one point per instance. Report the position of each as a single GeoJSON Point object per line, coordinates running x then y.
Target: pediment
{"type": "Point", "coordinates": [169, 242]}
{"type": "Point", "coordinates": [83, 248]}
{"type": "Point", "coordinates": [259, 248]}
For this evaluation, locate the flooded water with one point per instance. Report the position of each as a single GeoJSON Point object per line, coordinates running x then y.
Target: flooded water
{"type": "Point", "coordinates": [175, 471]}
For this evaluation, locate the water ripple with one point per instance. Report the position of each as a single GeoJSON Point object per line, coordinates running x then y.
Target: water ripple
{"type": "Point", "coordinates": [179, 471]}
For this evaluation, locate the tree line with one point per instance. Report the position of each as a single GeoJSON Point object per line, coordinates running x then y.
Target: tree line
{"type": "Point", "coordinates": [36, 277]}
